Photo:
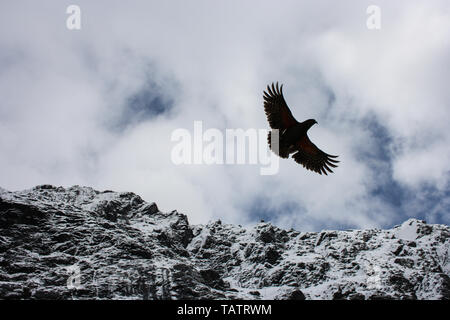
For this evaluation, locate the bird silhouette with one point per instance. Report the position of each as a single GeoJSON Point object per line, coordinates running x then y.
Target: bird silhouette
{"type": "Point", "coordinates": [292, 135]}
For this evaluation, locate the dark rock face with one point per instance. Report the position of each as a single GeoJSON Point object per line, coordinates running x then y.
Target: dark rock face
{"type": "Point", "coordinates": [79, 243]}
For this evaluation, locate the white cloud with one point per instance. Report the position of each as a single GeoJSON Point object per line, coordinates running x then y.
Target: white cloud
{"type": "Point", "coordinates": [62, 89]}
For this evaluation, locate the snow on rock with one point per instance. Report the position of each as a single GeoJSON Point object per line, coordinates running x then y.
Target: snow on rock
{"type": "Point", "coordinates": [411, 230]}
{"type": "Point", "coordinates": [80, 243]}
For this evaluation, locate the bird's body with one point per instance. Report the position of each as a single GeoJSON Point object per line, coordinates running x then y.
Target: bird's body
{"type": "Point", "coordinates": [292, 135]}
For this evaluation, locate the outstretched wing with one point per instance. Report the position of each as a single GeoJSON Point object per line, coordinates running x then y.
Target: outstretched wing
{"type": "Point", "coordinates": [312, 158]}
{"type": "Point", "coordinates": [277, 111]}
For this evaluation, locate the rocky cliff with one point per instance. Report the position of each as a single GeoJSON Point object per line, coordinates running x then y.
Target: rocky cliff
{"type": "Point", "coordinates": [79, 243]}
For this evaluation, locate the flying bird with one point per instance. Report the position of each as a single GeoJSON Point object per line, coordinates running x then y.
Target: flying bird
{"type": "Point", "coordinates": [293, 136]}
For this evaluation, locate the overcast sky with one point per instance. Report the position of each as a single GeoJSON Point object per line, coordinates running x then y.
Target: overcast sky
{"type": "Point", "coordinates": [97, 106]}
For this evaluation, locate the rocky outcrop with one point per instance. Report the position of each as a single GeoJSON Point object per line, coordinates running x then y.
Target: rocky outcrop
{"type": "Point", "coordinates": [79, 243]}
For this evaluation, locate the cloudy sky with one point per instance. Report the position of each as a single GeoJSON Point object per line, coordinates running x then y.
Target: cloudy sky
{"type": "Point", "coordinates": [97, 106]}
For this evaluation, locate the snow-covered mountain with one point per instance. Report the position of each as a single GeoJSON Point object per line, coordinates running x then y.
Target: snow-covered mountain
{"type": "Point", "coordinates": [58, 243]}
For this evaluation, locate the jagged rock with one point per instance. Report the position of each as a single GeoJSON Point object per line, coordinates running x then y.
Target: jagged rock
{"type": "Point", "coordinates": [296, 295]}
{"type": "Point", "coordinates": [80, 243]}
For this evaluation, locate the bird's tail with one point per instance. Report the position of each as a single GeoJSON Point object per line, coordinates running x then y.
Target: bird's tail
{"type": "Point", "coordinates": [277, 146]}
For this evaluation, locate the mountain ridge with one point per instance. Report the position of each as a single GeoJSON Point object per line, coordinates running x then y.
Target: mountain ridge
{"type": "Point", "coordinates": [80, 243]}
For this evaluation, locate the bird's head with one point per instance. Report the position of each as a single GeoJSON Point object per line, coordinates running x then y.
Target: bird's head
{"type": "Point", "coordinates": [310, 122]}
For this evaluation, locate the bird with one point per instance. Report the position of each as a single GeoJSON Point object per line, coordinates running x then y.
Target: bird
{"type": "Point", "coordinates": [293, 135]}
